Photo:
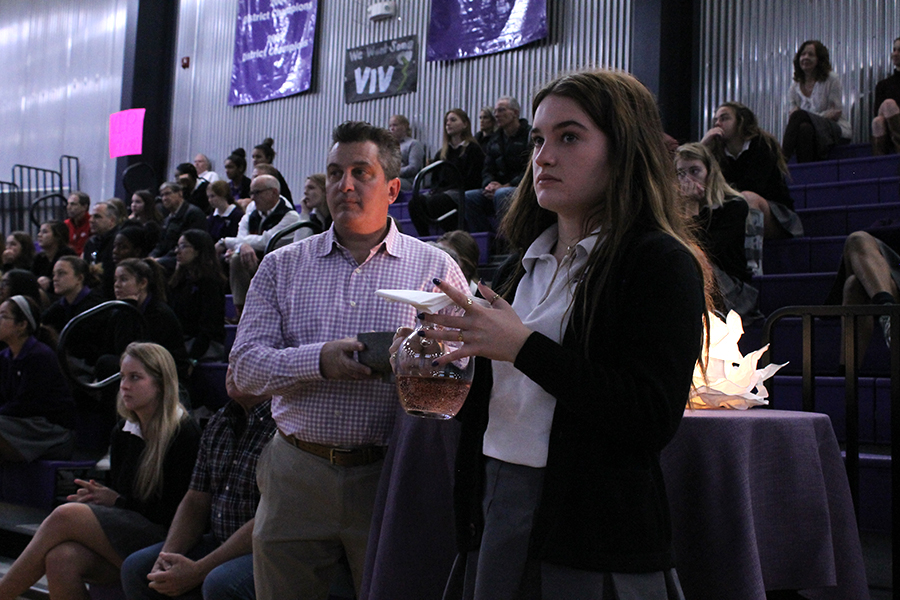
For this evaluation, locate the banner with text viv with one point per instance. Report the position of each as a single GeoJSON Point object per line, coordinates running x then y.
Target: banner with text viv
{"type": "Point", "coordinates": [466, 28]}
{"type": "Point", "coordinates": [273, 49]}
{"type": "Point", "coordinates": [383, 69]}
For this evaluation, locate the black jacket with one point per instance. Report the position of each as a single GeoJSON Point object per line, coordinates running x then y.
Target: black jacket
{"type": "Point", "coordinates": [505, 158]}
{"type": "Point", "coordinates": [603, 506]}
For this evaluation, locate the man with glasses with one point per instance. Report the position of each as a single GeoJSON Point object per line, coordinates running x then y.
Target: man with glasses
{"type": "Point", "coordinates": [182, 216]}
{"type": "Point", "coordinates": [267, 214]}
{"type": "Point", "coordinates": [505, 158]}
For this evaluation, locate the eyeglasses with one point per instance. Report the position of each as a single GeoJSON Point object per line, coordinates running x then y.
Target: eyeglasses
{"type": "Point", "coordinates": [258, 192]}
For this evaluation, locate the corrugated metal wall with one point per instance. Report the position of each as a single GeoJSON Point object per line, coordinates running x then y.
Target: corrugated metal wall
{"type": "Point", "coordinates": [747, 49]}
{"type": "Point", "coordinates": [61, 67]}
{"type": "Point", "coordinates": [582, 32]}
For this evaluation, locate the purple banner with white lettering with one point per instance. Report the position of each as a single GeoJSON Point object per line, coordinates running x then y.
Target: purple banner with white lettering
{"type": "Point", "coordinates": [273, 49]}
{"type": "Point", "coordinates": [465, 28]}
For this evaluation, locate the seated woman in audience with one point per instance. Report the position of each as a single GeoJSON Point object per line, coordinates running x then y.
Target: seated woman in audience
{"type": "Point", "coordinates": [145, 212]}
{"type": "Point", "coordinates": [886, 124]}
{"type": "Point", "coordinates": [77, 285]}
{"type": "Point", "coordinates": [226, 215]}
{"type": "Point", "coordinates": [817, 122]}
{"type": "Point", "coordinates": [37, 412]}
{"type": "Point", "coordinates": [460, 150]}
{"type": "Point", "coordinates": [752, 163]}
{"type": "Point", "coordinates": [19, 252]}
{"type": "Point", "coordinates": [132, 241]}
{"type": "Point", "coordinates": [486, 125]}
{"type": "Point", "coordinates": [197, 295]}
{"type": "Point", "coordinates": [719, 214]}
{"type": "Point", "coordinates": [464, 250]}
{"type": "Point", "coordinates": [313, 205]}
{"type": "Point", "coordinates": [53, 237]}
{"type": "Point", "coordinates": [412, 152]}
{"type": "Point", "coordinates": [236, 171]}
{"type": "Point", "coordinates": [152, 457]}
{"type": "Point", "coordinates": [22, 282]}
{"type": "Point", "coordinates": [140, 281]}
{"type": "Point", "coordinates": [264, 154]}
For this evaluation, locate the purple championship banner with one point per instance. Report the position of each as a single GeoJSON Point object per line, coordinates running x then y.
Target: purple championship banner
{"type": "Point", "coordinates": [273, 49]}
{"type": "Point", "coordinates": [466, 28]}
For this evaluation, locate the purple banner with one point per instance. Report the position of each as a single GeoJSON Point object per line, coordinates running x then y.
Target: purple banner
{"type": "Point", "coordinates": [465, 28]}
{"type": "Point", "coordinates": [273, 49]}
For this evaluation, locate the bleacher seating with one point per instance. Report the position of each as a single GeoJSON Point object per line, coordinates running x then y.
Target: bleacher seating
{"type": "Point", "coordinates": [834, 198]}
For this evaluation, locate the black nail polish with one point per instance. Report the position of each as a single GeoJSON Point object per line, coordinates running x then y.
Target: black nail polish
{"type": "Point", "coordinates": [434, 363]}
{"type": "Point", "coordinates": [420, 316]}
{"type": "Point", "coordinates": [420, 333]}
{"type": "Point", "coordinates": [436, 281]}
{"type": "Point", "coordinates": [481, 281]}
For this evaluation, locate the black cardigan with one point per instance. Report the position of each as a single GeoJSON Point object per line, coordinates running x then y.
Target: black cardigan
{"type": "Point", "coordinates": [603, 506]}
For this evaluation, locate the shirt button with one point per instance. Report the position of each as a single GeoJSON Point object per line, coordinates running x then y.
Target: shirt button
{"type": "Point", "coordinates": [337, 413]}
{"type": "Point", "coordinates": [234, 462]}
{"type": "Point", "coordinates": [352, 303]}
{"type": "Point", "coordinates": [358, 271]}
{"type": "Point", "coordinates": [227, 488]}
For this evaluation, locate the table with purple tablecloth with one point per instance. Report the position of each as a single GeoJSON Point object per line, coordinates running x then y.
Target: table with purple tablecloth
{"type": "Point", "coordinates": [760, 501]}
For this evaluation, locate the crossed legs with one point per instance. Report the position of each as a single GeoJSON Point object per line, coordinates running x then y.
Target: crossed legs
{"type": "Point", "coordinates": [886, 128]}
{"type": "Point", "coordinates": [70, 548]}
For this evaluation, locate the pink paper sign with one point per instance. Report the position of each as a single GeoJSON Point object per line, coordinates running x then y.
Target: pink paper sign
{"type": "Point", "coordinates": [126, 132]}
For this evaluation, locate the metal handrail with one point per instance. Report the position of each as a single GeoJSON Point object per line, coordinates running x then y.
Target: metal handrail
{"type": "Point", "coordinates": [63, 354]}
{"type": "Point", "coordinates": [460, 204]}
{"type": "Point", "coordinates": [273, 241]}
{"type": "Point", "coordinates": [849, 315]}
{"type": "Point", "coordinates": [36, 204]}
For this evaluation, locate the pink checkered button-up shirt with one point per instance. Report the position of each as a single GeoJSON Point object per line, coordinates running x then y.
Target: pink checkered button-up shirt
{"type": "Point", "coordinates": [313, 292]}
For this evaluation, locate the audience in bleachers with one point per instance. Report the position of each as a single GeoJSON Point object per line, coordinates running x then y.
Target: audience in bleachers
{"type": "Point", "coordinates": [204, 169]}
{"type": "Point", "coordinates": [752, 163]}
{"type": "Point", "coordinates": [313, 204]}
{"type": "Point", "coordinates": [53, 237]}
{"type": "Point", "coordinates": [464, 250]}
{"type": "Point", "coordinates": [77, 206]}
{"type": "Point", "coordinates": [236, 171]}
{"type": "Point", "coordinates": [266, 215]}
{"type": "Point", "coordinates": [151, 459]}
{"type": "Point", "coordinates": [487, 124]}
{"type": "Point", "coordinates": [412, 152]}
{"type": "Point", "coordinates": [120, 208]}
{"type": "Point", "coordinates": [99, 248]}
{"type": "Point", "coordinates": [75, 283]}
{"type": "Point", "coordinates": [264, 154]}
{"type": "Point", "coordinates": [193, 188]}
{"type": "Point", "coordinates": [505, 159]}
{"type": "Point", "coordinates": [817, 121]}
{"type": "Point", "coordinates": [197, 296]}
{"type": "Point", "coordinates": [182, 216]}
{"type": "Point", "coordinates": [225, 217]}
{"type": "Point", "coordinates": [886, 123]}
{"type": "Point", "coordinates": [223, 496]}
{"type": "Point", "coordinates": [719, 215]}
{"type": "Point", "coordinates": [18, 253]}
{"type": "Point", "coordinates": [37, 412]}
{"type": "Point", "coordinates": [466, 161]}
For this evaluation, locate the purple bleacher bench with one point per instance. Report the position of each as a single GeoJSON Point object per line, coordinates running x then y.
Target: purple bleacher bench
{"type": "Point", "coordinates": [34, 483]}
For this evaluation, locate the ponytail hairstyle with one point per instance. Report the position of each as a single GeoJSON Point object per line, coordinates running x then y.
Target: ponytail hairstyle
{"type": "Point", "coordinates": [90, 273]}
{"type": "Point", "coordinates": [163, 425]}
{"type": "Point", "coordinates": [150, 271]}
{"type": "Point", "coordinates": [267, 148]}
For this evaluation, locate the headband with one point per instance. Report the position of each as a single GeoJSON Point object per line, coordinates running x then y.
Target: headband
{"type": "Point", "coordinates": [23, 304]}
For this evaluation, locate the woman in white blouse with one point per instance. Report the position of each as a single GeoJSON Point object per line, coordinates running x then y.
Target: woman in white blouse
{"type": "Point", "coordinates": [817, 122]}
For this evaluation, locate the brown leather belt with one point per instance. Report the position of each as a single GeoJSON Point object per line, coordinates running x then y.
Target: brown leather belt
{"type": "Point", "coordinates": [342, 457]}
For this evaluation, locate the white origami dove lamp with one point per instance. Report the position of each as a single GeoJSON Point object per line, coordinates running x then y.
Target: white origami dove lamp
{"type": "Point", "coordinates": [732, 380]}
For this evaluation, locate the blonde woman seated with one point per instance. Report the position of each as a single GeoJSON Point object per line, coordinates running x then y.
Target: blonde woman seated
{"type": "Point", "coordinates": [719, 214]}
{"type": "Point", "coordinates": [152, 456]}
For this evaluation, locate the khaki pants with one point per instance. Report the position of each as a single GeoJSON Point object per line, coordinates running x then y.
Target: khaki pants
{"type": "Point", "coordinates": [311, 512]}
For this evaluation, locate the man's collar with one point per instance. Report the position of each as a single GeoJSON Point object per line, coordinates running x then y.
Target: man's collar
{"type": "Point", "coordinates": [389, 241]}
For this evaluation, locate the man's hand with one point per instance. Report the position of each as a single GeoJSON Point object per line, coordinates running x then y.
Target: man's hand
{"type": "Point", "coordinates": [336, 360]}
{"type": "Point", "coordinates": [174, 574]}
{"type": "Point", "coordinates": [491, 188]}
{"type": "Point", "coordinates": [220, 247]}
{"type": "Point", "coordinates": [248, 256]}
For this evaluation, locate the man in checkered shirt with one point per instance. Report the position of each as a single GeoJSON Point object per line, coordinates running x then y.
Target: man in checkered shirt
{"type": "Point", "coordinates": [222, 495]}
{"type": "Point", "coordinates": [297, 341]}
